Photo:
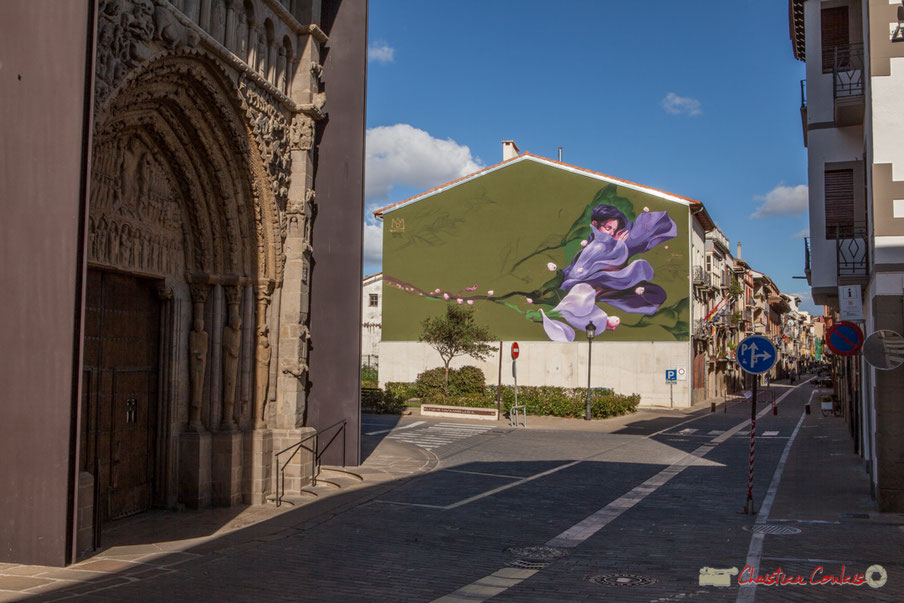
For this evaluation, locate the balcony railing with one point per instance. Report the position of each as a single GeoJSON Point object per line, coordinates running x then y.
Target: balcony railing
{"type": "Point", "coordinates": [848, 71]}
{"type": "Point", "coordinates": [852, 250]}
{"type": "Point", "coordinates": [702, 278]}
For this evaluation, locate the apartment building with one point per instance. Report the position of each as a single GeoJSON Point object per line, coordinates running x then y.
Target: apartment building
{"type": "Point", "coordinates": [852, 127]}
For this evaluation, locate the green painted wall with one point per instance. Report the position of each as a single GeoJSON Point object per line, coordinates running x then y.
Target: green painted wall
{"type": "Point", "coordinates": [490, 241]}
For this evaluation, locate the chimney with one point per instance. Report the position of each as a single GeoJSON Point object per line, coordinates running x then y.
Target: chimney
{"type": "Point", "coordinates": [738, 257]}
{"type": "Point", "coordinates": [560, 154]}
{"type": "Point", "coordinates": [509, 150]}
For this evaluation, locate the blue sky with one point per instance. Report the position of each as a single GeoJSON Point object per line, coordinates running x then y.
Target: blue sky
{"type": "Point", "coordinates": [699, 98]}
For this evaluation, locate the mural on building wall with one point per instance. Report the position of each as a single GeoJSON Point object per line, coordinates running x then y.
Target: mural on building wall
{"type": "Point", "coordinates": [540, 252]}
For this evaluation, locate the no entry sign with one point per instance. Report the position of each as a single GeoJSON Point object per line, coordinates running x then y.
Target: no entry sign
{"type": "Point", "coordinates": [515, 350]}
{"type": "Point", "coordinates": [844, 338]}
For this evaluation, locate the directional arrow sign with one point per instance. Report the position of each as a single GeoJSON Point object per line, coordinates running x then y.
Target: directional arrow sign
{"type": "Point", "coordinates": [756, 354]}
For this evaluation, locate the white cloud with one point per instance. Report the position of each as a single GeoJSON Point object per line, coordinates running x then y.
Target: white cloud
{"type": "Point", "coordinates": [380, 52]}
{"type": "Point", "coordinates": [402, 155]}
{"type": "Point", "coordinates": [783, 201]}
{"type": "Point", "coordinates": [373, 243]}
{"type": "Point", "coordinates": [681, 105]}
{"type": "Point", "coordinates": [802, 234]}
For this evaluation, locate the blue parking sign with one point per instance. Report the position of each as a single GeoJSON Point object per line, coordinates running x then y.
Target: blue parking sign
{"type": "Point", "coordinates": [671, 375]}
{"type": "Point", "coordinates": [756, 354]}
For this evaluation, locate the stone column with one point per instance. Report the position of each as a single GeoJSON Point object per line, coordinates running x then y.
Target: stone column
{"type": "Point", "coordinates": [197, 349]}
{"type": "Point", "coordinates": [294, 304]}
{"type": "Point", "coordinates": [261, 355]}
{"type": "Point", "coordinates": [232, 344]}
{"type": "Point", "coordinates": [230, 37]}
{"type": "Point", "coordinates": [241, 37]}
{"type": "Point", "coordinates": [280, 79]}
{"type": "Point", "coordinates": [204, 21]}
{"type": "Point", "coordinates": [215, 394]}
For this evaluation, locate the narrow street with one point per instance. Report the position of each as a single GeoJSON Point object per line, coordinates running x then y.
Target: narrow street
{"type": "Point", "coordinates": [625, 509]}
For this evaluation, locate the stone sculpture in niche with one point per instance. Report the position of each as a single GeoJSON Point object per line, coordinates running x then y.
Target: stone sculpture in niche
{"type": "Point", "coordinates": [197, 349]}
{"type": "Point", "coordinates": [262, 358]}
{"type": "Point", "coordinates": [232, 342]}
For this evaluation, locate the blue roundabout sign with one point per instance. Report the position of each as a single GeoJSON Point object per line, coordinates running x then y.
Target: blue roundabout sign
{"type": "Point", "coordinates": [756, 354]}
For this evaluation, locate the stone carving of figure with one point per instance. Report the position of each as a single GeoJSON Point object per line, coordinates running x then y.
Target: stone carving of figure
{"type": "Point", "coordinates": [262, 362]}
{"type": "Point", "coordinates": [197, 349]}
{"type": "Point", "coordinates": [232, 341]}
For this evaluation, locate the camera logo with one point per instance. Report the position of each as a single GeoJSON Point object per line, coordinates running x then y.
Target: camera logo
{"type": "Point", "coordinates": [711, 576]}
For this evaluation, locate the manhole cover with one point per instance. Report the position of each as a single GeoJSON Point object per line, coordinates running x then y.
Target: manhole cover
{"type": "Point", "coordinates": [770, 529]}
{"type": "Point", "coordinates": [622, 580]}
{"type": "Point", "coordinates": [539, 553]}
{"type": "Point", "coordinates": [528, 564]}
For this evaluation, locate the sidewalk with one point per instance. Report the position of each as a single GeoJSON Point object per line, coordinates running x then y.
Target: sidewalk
{"type": "Point", "coordinates": [825, 494]}
{"type": "Point", "coordinates": [153, 543]}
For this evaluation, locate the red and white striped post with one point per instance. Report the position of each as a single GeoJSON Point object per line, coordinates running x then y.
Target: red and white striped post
{"type": "Point", "coordinates": [748, 508]}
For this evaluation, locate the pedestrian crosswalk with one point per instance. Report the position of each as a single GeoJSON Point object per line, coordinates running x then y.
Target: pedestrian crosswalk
{"type": "Point", "coordinates": [439, 434]}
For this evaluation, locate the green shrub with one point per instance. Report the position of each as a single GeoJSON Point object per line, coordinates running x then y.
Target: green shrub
{"type": "Point", "coordinates": [369, 374]}
{"type": "Point", "coordinates": [563, 402]}
{"type": "Point", "coordinates": [466, 380]}
{"type": "Point", "coordinates": [430, 383]}
{"type": "Point", "coordinates": [399, 392]}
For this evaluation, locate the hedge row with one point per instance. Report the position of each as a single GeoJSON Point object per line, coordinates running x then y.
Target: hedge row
{"type": "Point", "coordinates": [542, 400]}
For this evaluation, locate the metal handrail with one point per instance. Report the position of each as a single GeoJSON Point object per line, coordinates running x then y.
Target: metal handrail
{"type": "Point", "coordinates": [315, 456]}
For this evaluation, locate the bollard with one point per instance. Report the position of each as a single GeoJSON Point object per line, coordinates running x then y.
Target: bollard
{"type": "Point", "coordinates": [808, 408]}
{"type": "Point", "coordinates": [774, 408]}
{"type": "Point", "coordinates": [712, 406]}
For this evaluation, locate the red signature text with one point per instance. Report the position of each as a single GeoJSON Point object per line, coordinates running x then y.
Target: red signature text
{"type": "Point", "coordinates": [817, 577]}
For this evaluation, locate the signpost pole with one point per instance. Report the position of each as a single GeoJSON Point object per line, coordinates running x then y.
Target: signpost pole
{"type": "Point", "coordinates": [748, 508]}
{"type": "Point", "coordinates": [499, 386]}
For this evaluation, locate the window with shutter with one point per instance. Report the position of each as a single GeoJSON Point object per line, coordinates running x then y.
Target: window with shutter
{"type": "Point", "coordinates": [839, 203]}
{"type": "Point", "coordinates": [835, 34]}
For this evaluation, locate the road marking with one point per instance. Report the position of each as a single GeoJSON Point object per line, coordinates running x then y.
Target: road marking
{"type": "Point", "coordinates": [589, 526]}
{"type": "Point", "coordinates": [688, 430]}
{"type": "Point", "coordinates": [716, 432]}
{"type": "Point", "coordinates": [479, 473]}
{"type": "Point", "coordinates": [438, 434]}
{"type": "Point", "coordinates": [409, 426]}
{"type": "Point", "coordinates": [769, 434]}
{"type": "Point", "coordinates": [747, 591]}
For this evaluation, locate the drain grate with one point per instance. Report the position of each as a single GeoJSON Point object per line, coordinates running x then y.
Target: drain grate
{"type": "Point", "coordinates": [771, 529]}
{"type": "Point", "coordinates": [538, 553]}
{"type": "Point", "coordinates": [622, 580]}
{"type": "Point", "coordinates": [528, 564]}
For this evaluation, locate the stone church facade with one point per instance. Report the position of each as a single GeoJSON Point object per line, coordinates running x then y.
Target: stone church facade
{"type": "Point", "coordinates": [199, 251]}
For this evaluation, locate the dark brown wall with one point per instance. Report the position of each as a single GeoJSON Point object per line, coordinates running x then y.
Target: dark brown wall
{"type": "Point", "coordinates": [338, 229]}
{"type": "Point", "coordinates": [43, 49]}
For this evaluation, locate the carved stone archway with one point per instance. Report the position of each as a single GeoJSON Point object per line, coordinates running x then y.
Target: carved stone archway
{"type": "Point", "coordinates": [181, 194]}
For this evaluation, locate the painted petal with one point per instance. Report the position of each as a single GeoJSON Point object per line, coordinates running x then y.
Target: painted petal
{"type": "Point", "coordinates": [528, 300]}
{"type": "Point", "coordinates": [584, 243]}
{"type": "Point", "coordinates": [445, 296]}
{"type": "Point", "coordinates": [579, 307]}
{"type": "Point", "coordinates": [557, 331]}
{"type": "Point", "coordinates": [470, 302]}
{"type": "Point", "coordinates": [613, 322]}
{"type": "Point", "coordinates": [552, 267]}
{"type": "Point", "coordinates": [639, 290]}
{"type": "Point", "coordinates": [490, 292]}
{"type": "Point", "coordinates": [460, 300]}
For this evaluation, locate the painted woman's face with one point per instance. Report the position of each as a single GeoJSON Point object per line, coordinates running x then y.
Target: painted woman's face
{"type": "Point", "coordinates": [610, 227]}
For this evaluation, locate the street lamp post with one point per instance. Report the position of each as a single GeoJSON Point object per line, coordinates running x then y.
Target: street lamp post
{"type": "Point", "coordinates": [591, 331]}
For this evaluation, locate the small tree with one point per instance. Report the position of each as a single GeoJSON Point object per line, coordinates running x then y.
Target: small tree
{"type": "Point", "coordinates": [456, 334]}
